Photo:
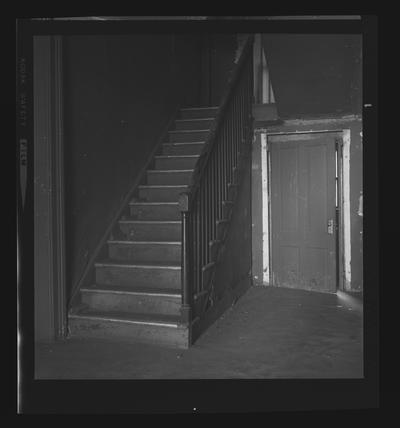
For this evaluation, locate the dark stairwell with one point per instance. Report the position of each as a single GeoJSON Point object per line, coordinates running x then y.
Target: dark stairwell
{"type": "Point", "coordinates": [164, 277]}
{"type": "Point", "coordinates": [137, 294]}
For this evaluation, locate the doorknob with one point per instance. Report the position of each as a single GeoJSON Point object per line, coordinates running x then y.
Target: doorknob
{"type": "Point", "coordinates": [330, 226]}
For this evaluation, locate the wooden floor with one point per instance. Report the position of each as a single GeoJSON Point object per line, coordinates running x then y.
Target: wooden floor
{"type": "Point", "coordinates": [269, 333]}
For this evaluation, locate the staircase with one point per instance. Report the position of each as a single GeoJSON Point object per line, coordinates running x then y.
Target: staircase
{"type": "Point", "coordinates": [137, 291]}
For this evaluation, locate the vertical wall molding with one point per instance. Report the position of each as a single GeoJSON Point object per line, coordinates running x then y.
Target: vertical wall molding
{"type": "Point", "coordinates": [49, 257]}
{"type": "Point", "coordinates": [59, 226]}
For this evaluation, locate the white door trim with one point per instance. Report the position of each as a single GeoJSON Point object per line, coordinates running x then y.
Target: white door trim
{"type": "Point", "coordinates": [346, 210]}
{"type": "Point", "coordinates": [265, 210]}
{"type": "Point", "coordinates": [345, 203]}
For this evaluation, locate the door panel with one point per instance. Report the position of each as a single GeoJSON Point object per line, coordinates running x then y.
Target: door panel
{"type": "Point", "coordinates": [302, 202]}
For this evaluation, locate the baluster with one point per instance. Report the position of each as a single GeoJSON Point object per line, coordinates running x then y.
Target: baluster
{"type": "Point", "coordinates": [223, 165]}
{"type": "Point", "coordinates": [236, 130]}
{"type": "Point", "coordinates": [202, 222]}
{"type": "Point", "coordinates": [214, 193]}
{"type": "Point", "coordinates": [219, 172]}
{"type": "Point", "coordinates": [208, 217]}
{"type": "Point", "coordinates": [232, 144]}
{"type": "Point", "coordinates": [211, 208]}
{"type": "Point", "coordinates": [198, 230]}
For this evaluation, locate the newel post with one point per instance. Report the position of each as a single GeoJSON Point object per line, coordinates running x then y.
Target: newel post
{"type": "Point", "coordinates": [184, 208]}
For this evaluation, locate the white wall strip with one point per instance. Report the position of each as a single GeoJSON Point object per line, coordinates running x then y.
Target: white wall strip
{"type": "Point", "coordinates": [346, 209]}
{"type": "Point", "coordinates": [265, 211]}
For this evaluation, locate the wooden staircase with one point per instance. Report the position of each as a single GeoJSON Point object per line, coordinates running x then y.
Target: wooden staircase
{"type": "Point", "coordinates": [137, 291]}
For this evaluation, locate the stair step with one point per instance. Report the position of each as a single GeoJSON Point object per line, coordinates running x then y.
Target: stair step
{"type": "Point", "coordinates": [164, 162]}
{"type": "Point", "coordinates": [112, 273]}
{"type": "Point", "coordinates": [154, 210]}
{"type": "Point", "coordinates": [169, 176]}
{"type": "Point", "coordinates": [187, 136]}
{"type": "Point", "coordinates": [190, 124]}
{"type": "Point", "coordinates": [151, 230]}
{"type": "Point", "coordinates": [198, 112]}
{"type": "Point", "coordinates": [132, 300]}
{"type": "Point", "coordinates": [161, 193]}
{"type": "Point", "coordinates": [183, 148]}
{"type": "Point", "coordinates": [163, 330]}
{"type": "Point", "coordinates": [150, 251]}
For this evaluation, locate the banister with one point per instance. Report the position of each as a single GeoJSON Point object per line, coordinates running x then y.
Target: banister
{"type": "Point", "coordinates": [203, 206]}
{"type": "Point", "coordinates": [211, 137]}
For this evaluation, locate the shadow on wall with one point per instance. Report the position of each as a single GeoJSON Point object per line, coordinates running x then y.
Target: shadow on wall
{"type": "Point", "coordinates": [119, 94]}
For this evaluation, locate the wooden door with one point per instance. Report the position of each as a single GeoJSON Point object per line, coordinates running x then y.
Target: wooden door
{"type": "Point", "coordinates": [303, 211]}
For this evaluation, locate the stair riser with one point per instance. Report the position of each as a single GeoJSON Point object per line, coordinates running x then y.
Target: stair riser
{"type": "Point", "coordinates": [182, 149]}
{"type": "Point", "coordinates": [169, 178]}
{"type": "Point", "coordinates": [193, 125]}
{"type": "Point", "coordinates": [187, 137]}
{"type": "Point", "coordinates": [151, 232]}
{"type": "Point", "coordinates": [145, 252]}
{"type": "Point", "coordinates": [176, 163]}
{"type": "Point", "coordinates": [133, 303]}
{"type": "Point", "coordinates": [198, 113]}
{"type": "Point", "coordinates": [114, 330]}
{"type": "Point", "coordinates": [159, 194]}
{"type": "Point", "coordinates": [139, 277]}
{"type": "Point", "coordinates": [155, 212]}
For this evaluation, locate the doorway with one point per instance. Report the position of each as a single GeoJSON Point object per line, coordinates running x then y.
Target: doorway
{"type": "Point", "coordinates": [305, 210]}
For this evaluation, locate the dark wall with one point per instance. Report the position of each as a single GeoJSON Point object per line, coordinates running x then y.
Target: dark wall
{"type": "Point", "coordinates": [119, 94]}
{"type": "Point", "coordinates": [218, 55]}
{"type": "Point", "coordinates": [233, 272]}
{"type": "Point", "coordinates": [315, 74]}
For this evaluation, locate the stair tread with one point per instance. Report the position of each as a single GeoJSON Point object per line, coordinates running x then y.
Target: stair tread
{"type": "Point", "coordinates": [151, 221]}
{"type": "Point", "coordinates": [119, 289]}
{"type": "Point", "coordinates": [183, 143]}
{"type": "Point", "coordinates": [151, 186]}
{"type": "Point", "coordinates": [127, 241]}
{"type": "Point", "coordinates": [157, 171]}
{"type": "Point", "coordinates": [153, 203]}
{"type": "Point", "coordinates": [194, 119]}
{"type": "Point", "coordinates": [121, 263]}
{"type": "Point", "coordinates": [156, 319]}
{"type": "Point", "coordinates": [177, 156]}
{"type": "Point", "coordinates": [200, 108]}
{"type": "Point", "coordinates": [183, 131]}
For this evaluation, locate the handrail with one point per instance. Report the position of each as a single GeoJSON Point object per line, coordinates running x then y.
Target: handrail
{"type": "Point", "coordinates": [211, 137]}
{"type": "Point", "coordinates": [203, 205]}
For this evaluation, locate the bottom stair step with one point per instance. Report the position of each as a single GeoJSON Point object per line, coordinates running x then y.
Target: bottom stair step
{"type": "Point", "coordinates": [163, 330]}
{"type": "Point", "coordinates": [134, 300]}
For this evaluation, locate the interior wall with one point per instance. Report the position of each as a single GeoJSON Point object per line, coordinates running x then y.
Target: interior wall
{"type": "Point", "coordinates": [315, 74]}
{"type": "Point", "coordinates": [120, 92]}
{"type": "Point", "coordinates": [218, 60]}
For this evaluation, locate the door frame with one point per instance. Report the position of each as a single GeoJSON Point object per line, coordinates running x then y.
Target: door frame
{"type": "Point", "coordinates": [343, 243]}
